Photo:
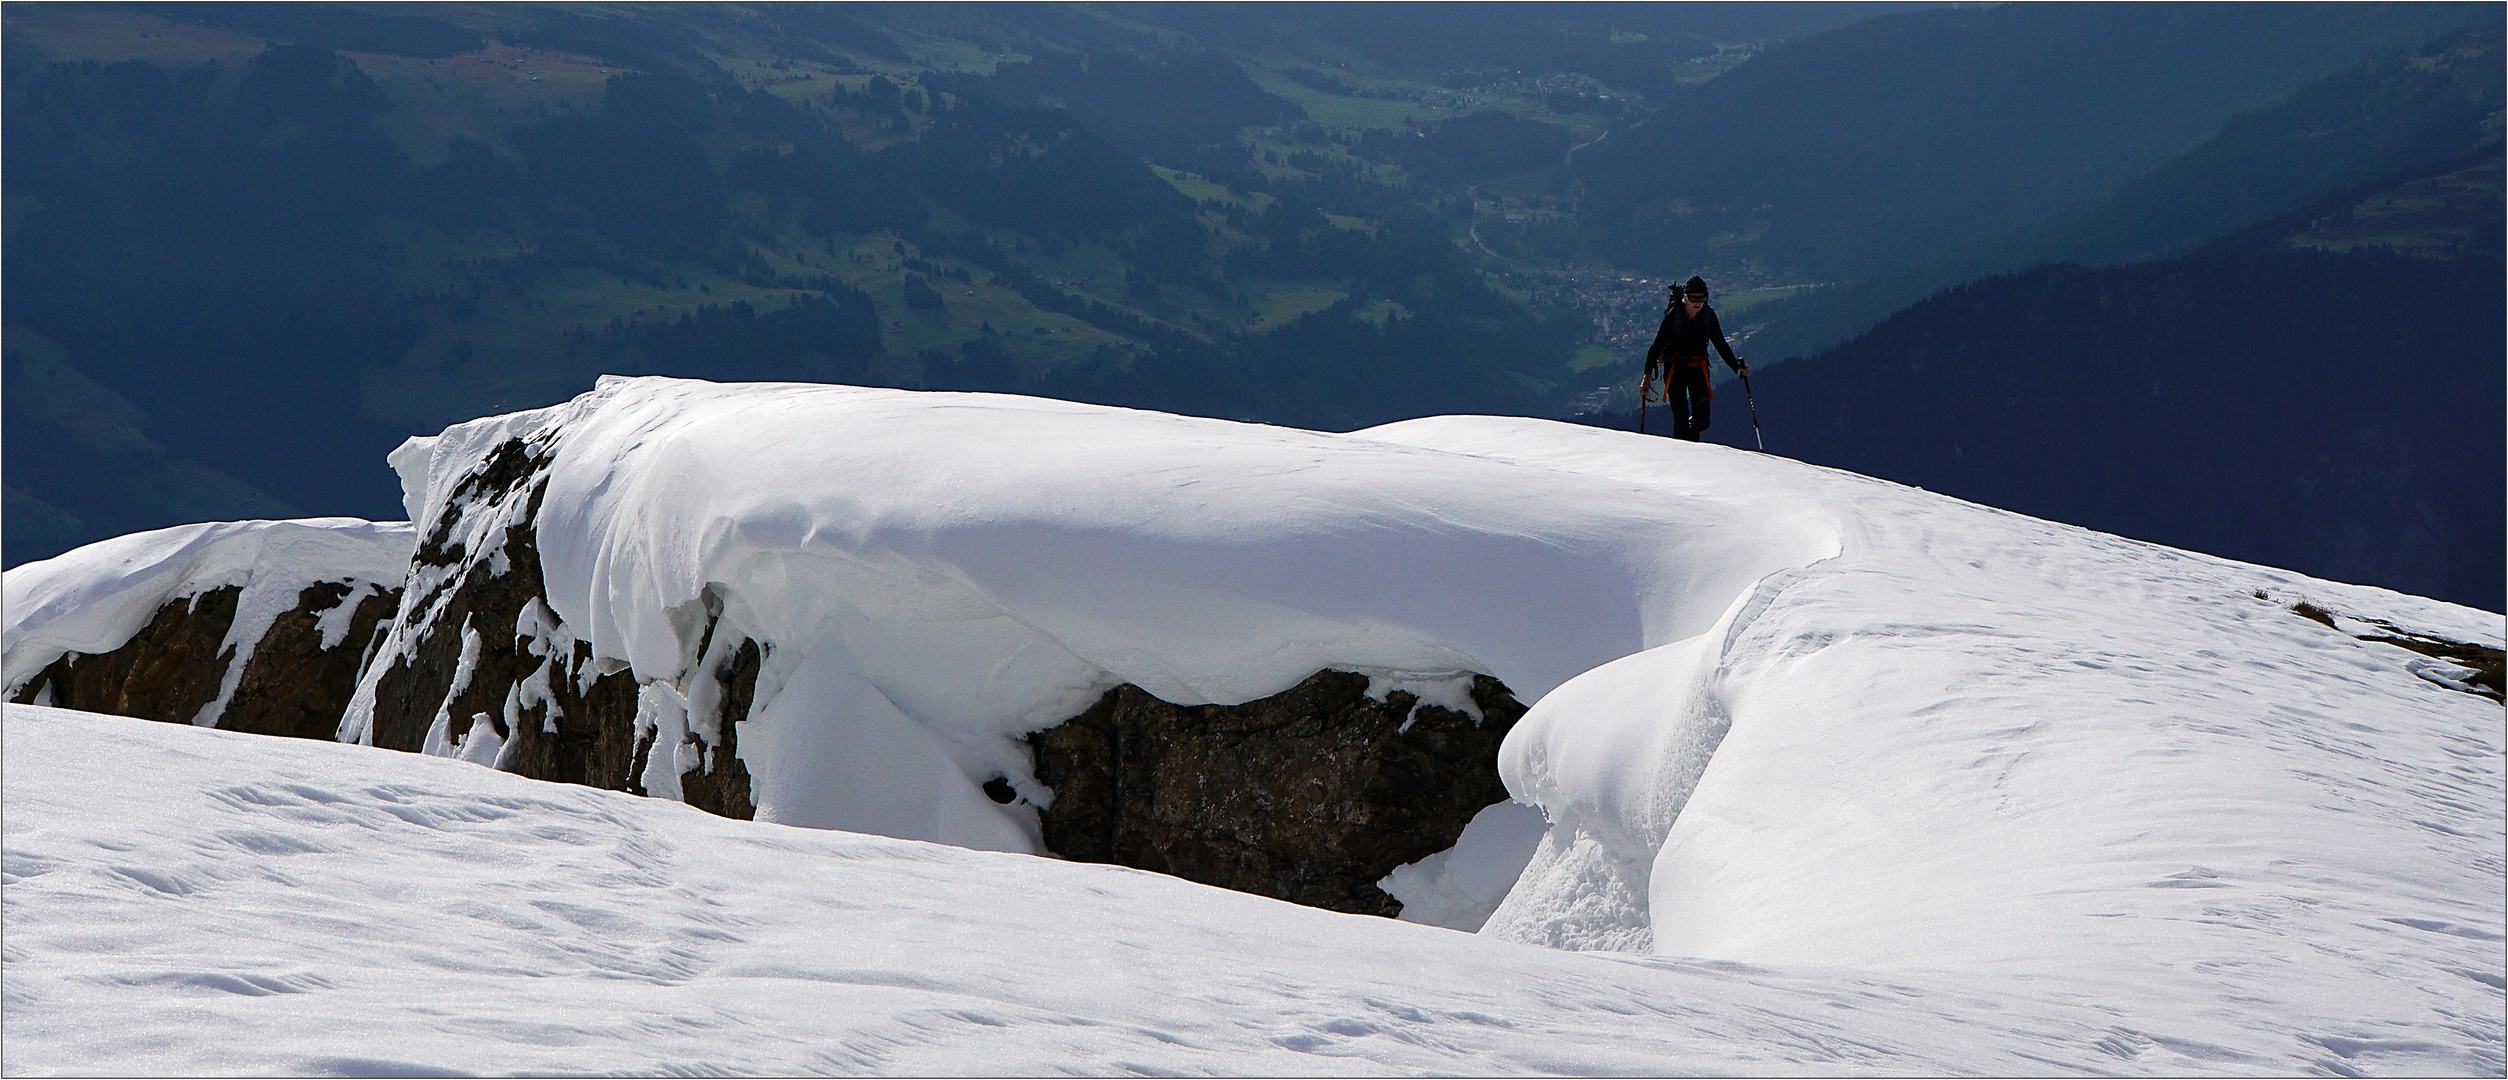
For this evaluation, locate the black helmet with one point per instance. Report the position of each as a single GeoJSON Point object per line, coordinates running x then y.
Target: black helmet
{"type": "Point", "coordinates": [1697, 287]}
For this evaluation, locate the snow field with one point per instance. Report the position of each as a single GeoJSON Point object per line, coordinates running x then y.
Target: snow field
{"type": "Point", "coordinates": [190, 902]}
{"type": "Point", "coordinates": [1979, 742]}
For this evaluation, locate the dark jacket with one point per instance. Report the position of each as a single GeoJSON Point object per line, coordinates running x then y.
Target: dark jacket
{"type": "Point", "coordinates": [1682, 337]}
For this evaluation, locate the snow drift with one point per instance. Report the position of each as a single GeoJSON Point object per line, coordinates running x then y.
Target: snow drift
{"type": "Point", "coordinates": [930, 576]}
{"type": "Point", "coordinates": [97, 597]}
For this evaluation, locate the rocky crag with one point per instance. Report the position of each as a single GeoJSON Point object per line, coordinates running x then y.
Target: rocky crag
{"type": "Point", "coordinates": [174, 669]}
{"type": "Point", "coordinates": [258, 627]}
{"type": "Point", "coordinates": [292, 682]}
{"type": "Point", "coordinates": [477, 666]}
{"type": "Point", "coordinates": [1311, 795]}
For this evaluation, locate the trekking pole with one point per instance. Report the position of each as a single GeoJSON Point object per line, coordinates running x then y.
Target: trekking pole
{"type": "Point", "coordinates": [1754, 415]}
{"type": "Point", "coordinates": [1645, 389]}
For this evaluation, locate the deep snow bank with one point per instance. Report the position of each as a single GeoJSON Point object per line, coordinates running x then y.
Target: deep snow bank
{"type": "Point", "coordinates": [928, 576]}
{"type": "Point", "coordinates": [1781, 712]}
{"type": "Point", "coordinates": [1979, 742]}
{"type": "Point", "coordinates": [253, 624]}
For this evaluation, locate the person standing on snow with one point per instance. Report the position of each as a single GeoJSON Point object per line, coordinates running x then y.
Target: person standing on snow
{"type": "Point", "coordinates": [1680, 353]}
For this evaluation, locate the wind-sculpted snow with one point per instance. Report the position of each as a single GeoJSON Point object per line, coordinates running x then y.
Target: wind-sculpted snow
{"type": "Point", "coordinates": [1975, 741]}
{"type": "Point", "coordinates": [932, 575]}
{"type": "Point", "coordinates": [93, 599]}
{"type": "Point", "coordinates": [1885, 781]}
{"type": "Point", "coordinates": [1203, 560]}
{"type": "Point", "coordinates": [1996, 731]}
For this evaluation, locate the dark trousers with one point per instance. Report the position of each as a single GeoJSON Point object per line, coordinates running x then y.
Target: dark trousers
{"type": "Point", "coordinates": [1687, 390]}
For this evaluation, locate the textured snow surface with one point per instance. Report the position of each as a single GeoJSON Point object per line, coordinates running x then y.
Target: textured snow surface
{"type": "Point", "coordinates": [95, 598]}
{"type": "Point", "coordinates": [1837, 776]}
{"type": "Point", "coordinates": [1980, 740]}
{"type": "Point", "coordinates": [190, 902]}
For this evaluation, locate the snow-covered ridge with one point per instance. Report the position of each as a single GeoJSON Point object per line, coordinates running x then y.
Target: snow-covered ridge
{"type": "Point", "coordinates": [1202, 560]}
{"type": "Point", "coordinates": [95, 599]}
{"type": "Point", "coordinates": [930, 576]}
{"type": "Point", "coordinates": [1976, 739]}
{"type": "Point", "coordinates": [1780, 715]}
{"type": "Point", "coordinates": [935, 574]}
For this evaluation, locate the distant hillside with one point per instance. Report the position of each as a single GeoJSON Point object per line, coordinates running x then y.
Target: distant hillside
{"type": "Point", "coordinates": [1894, 158]}
{"type": "Point", "coordinates": [2355, 126]}
{"type": "Point", "coordinates": [2373, 119]}
{"type": "Point", "coordinates": [2323, 392]}
{"type": "Point", "coordinates": [1916, 136]}
{"type": "Point", "coordinates": [406, 216]}
{"type": "Point", "coordinates": [1319, 216]}
{"type": "Point", "coordinates": [270, 260]}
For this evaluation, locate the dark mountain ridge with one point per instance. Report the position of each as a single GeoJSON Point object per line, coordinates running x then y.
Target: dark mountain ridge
{"type": "Point", "coordinates": [1915, 136]}
{"type": "Point", "coordinates": [2322, 392]}
{"type": "Point", "coordinates": [258, 244]}
{"type": "Point", "coordinates": [2374, 118]}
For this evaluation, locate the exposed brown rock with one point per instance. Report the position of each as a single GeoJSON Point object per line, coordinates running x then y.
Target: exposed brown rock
{"type": "Point", "coordinates": [530, 679]}
{"type": "Point", "coordinates": [174, 667]}
{"type": "Point", "coordinates": [583, 731]}
{"type": "Point", "coordinates": [2482, 670]}
{"type": "Point", "coordinates": [292, 685]}
{"type": "Point", "coordinates": [722, 785]}
{"type": "Point", "coordinates": [594, 743]}
{"type": "Point", "coordinates": [168, 671]}
{"type": "Point", "coordinates": [1311, 795]}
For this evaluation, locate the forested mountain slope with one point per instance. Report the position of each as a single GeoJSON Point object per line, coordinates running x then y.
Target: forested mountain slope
{"type": "Point", "coordinates": [1325, 217]}
{"type": "Point", "coordinates": [1945, 130]}
{"type": "Point", "coordinates": [274, 260]}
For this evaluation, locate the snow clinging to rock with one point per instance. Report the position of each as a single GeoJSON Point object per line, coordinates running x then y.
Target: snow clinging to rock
{"type": "Point", "coordinates": [2135, 809]}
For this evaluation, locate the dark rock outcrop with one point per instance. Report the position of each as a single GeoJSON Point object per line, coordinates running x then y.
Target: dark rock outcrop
{"type": "Point", "coordinates": [168, 671]}
{"type": "Point", "coordinates": [1311, 795]}
{"type": "Point", "coordinates": [2472, 668]}
{"type": "Point", "coordinates": [478, 644]}
{"type": "Point", "coordinates": [721, 783]}
{"type": "Point", "coordinates": [175, 666]}
{"type": "Point", "coordinates": [294, 686]}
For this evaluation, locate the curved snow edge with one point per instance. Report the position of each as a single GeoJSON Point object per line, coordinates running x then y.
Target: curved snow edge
{"type": "Point", "coordinates": [93, 599]}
